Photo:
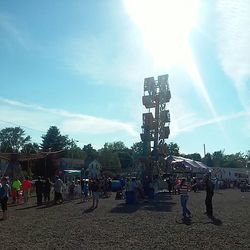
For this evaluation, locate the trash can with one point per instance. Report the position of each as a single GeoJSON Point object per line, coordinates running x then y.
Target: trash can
{"type": "Point", "coordinates": [130, 197]}
{"type": "Point", "coordinates": [116, 185]}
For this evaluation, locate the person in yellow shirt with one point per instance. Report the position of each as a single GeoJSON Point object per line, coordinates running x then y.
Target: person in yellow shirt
{"type": "Point", "coordinates": [16, 187]}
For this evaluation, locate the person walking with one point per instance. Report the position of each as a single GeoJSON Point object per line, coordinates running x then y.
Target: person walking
{"type": "Point", "coordinates": [96, 193]}
{"type": "Point", "coordinates": [183, 187]}
{"type": "Point", "coordinates": [4, 195]}
{"type": "Point", "coordinates": [46, 190]}
{"type": "Point", "coordinates": [209, 196]}
{"type": "Point", "coordinates": [85, 190]}
{"type": "Point", "coordinates": [16, 187]}
{"type": "Point", "coordinates": [71, 190]}
{"type": "Point", "coordinates": [26, 184]}
{"type": "Point", "coordinates": [58, 187]}
{"type": "Point", "coordinates": [39, 191]}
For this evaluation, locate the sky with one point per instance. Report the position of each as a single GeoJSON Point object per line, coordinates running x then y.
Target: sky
{"type": "Point", "coordinates": [80, 65]}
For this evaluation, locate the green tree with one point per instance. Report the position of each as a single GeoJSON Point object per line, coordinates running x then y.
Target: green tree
{"type": "Point", "coordinates": [208, 160]}
{"type": "Point", "coordinates": [75, 152]}
{"type": "Point", "coordinates": [247, 158]}
{"type": "Point", "coordinates": [173, 149]}
{"type": "Point", "coordinates": [236, 160]}
{"type": "Point", "coordinates": [54, 141]}
{"type": "Point", "coordinates": [137, 150]}
{"type": "Point", "coordinates": [109, 158]}
{"type": "Point", "coordinates": [30, 148]}
{"type": "Point", "coordinates": [91, 153]}
{"type": "Point", "coordinates": [117, 146]}
{"type": "Point", "coordinates": [13, 139]}
{"type": "Point", "coordinates": [126, 159]}
{"type": "Point", "coordinates": [218, 158]}
{"type": "Point", "coordinates": [194, 156]}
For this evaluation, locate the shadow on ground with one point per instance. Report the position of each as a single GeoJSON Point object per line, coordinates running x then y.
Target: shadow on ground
{"type": "Point", "coordinates": [215, 221]}
{"type": "Point", "coordinates": [25, 208]}
{"type": "Point", "coordinates": [189, 221]}
{"type": "Point", "coordinates": [161, 203]}
{"type": "Point", "coordinates": [88, 210]}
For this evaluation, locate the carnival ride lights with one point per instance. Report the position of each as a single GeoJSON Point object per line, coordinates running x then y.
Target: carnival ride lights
{"type": "Point", "coordinates": [155, 127]}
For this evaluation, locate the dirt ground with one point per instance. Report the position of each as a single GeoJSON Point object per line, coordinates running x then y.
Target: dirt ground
{"type": "Point", "coordinates": [113, 225]}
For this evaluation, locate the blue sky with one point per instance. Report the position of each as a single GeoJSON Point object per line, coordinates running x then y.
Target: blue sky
{"type": "Point", "coordinates": [80, 65]}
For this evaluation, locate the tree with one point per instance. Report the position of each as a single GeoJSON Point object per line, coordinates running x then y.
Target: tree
{"type": "Point", "coordinates": [30, 148]}
{"type": "Point", "coordinates": [173, 149]}
{"type": "Point", "coordinates": [13, 139]}
{"type": "Point", "coordinates": [118, 146]}
{"type": "Point", "coordinates": [247, 159]}
{"type": "Point", "coordinates": [234, 160]}
{"type": "Point", "coordinates": [137, 150]}
{"type": "Point", "coordinates": [218, 158]}
{"type": "Point", "coordinates": [208, 160]}
{"type": "Point", "coordinates": [91, 153]}
{"type": "Point", "coordinates": [126, 160]}
{"type": "Point", "coordinates": [123, 153]}
{"type": "Point", "coordinates": [194, 156]}
{"type": "Point", "coordinates": [109, 161]}
{"type": "Point", "coordinates": [54, 141]}
{"type": "Point", "coordinates": [109, 158]}
{"type": "Point", "coordinates": [76, 153]}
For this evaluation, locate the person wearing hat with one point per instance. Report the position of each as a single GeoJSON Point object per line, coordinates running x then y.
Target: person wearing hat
{"type": "Point", "coordinates": [183, 187]}
{"type": "Point", "coordinates": [209, 195]}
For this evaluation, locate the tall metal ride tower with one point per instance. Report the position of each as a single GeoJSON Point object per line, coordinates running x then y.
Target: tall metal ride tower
{"type": "Point", "coordinates": [155, 128]}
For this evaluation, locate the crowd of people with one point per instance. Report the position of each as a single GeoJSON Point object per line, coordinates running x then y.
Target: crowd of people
{"type": "Point", "coordinates": [87, 189]}
{"type": "Point", "coordinates": [20, 191]}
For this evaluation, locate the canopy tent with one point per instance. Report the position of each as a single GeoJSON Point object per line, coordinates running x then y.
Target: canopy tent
{"type": "Point", "coordinates": [177, 163]}
{"type": "Point", "coordinates": [69, 175]}
{"type": "Point", "coordinates": [26, 156]}
{"type": "Point", "coordinates": [72, 172]}
{"type": "Point", "coordinates": [15, 159]}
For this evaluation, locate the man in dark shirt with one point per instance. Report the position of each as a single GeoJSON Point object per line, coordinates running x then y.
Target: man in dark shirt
{"type": "Point", "coordinates": [39, 191]}
{"type": "Point", "coordinates": [210, 192]}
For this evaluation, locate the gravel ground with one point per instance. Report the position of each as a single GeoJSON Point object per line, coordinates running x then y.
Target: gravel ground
{"type": "Point", "coordinates": [114, 225]}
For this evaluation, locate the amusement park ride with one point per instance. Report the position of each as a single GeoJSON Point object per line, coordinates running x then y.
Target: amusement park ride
{"type": "Point", "coordinates": [155, 128]}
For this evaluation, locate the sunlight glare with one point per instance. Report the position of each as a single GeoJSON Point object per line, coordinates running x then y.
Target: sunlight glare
{"type": "Point", "coordinates": [165, 26]}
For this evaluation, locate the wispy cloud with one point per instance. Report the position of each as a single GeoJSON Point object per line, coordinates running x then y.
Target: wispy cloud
{"type": "Point", "coordinates": [13, 35]}
{"type": "Point", "coordinates": [233, 36]}
{"type": "Point", "coordinates": [108, 60]}
{"type": "Point", "coordinates": [177, 130]}
{"type": "Point", "coordinates": [67, 121]}
{"type": "Point", "coordinates": [8, 26]}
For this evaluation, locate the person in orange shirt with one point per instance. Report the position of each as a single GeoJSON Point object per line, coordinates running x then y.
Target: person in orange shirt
{"type": "Point", "coordinates": [26, 188]}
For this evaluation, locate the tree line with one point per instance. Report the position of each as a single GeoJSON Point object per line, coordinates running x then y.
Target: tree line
{"type": "Point", "coordinates": [113, 156]}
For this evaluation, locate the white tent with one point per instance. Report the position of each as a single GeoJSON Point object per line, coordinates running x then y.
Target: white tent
{"type": "Point", "coordinates": [185, 164]}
